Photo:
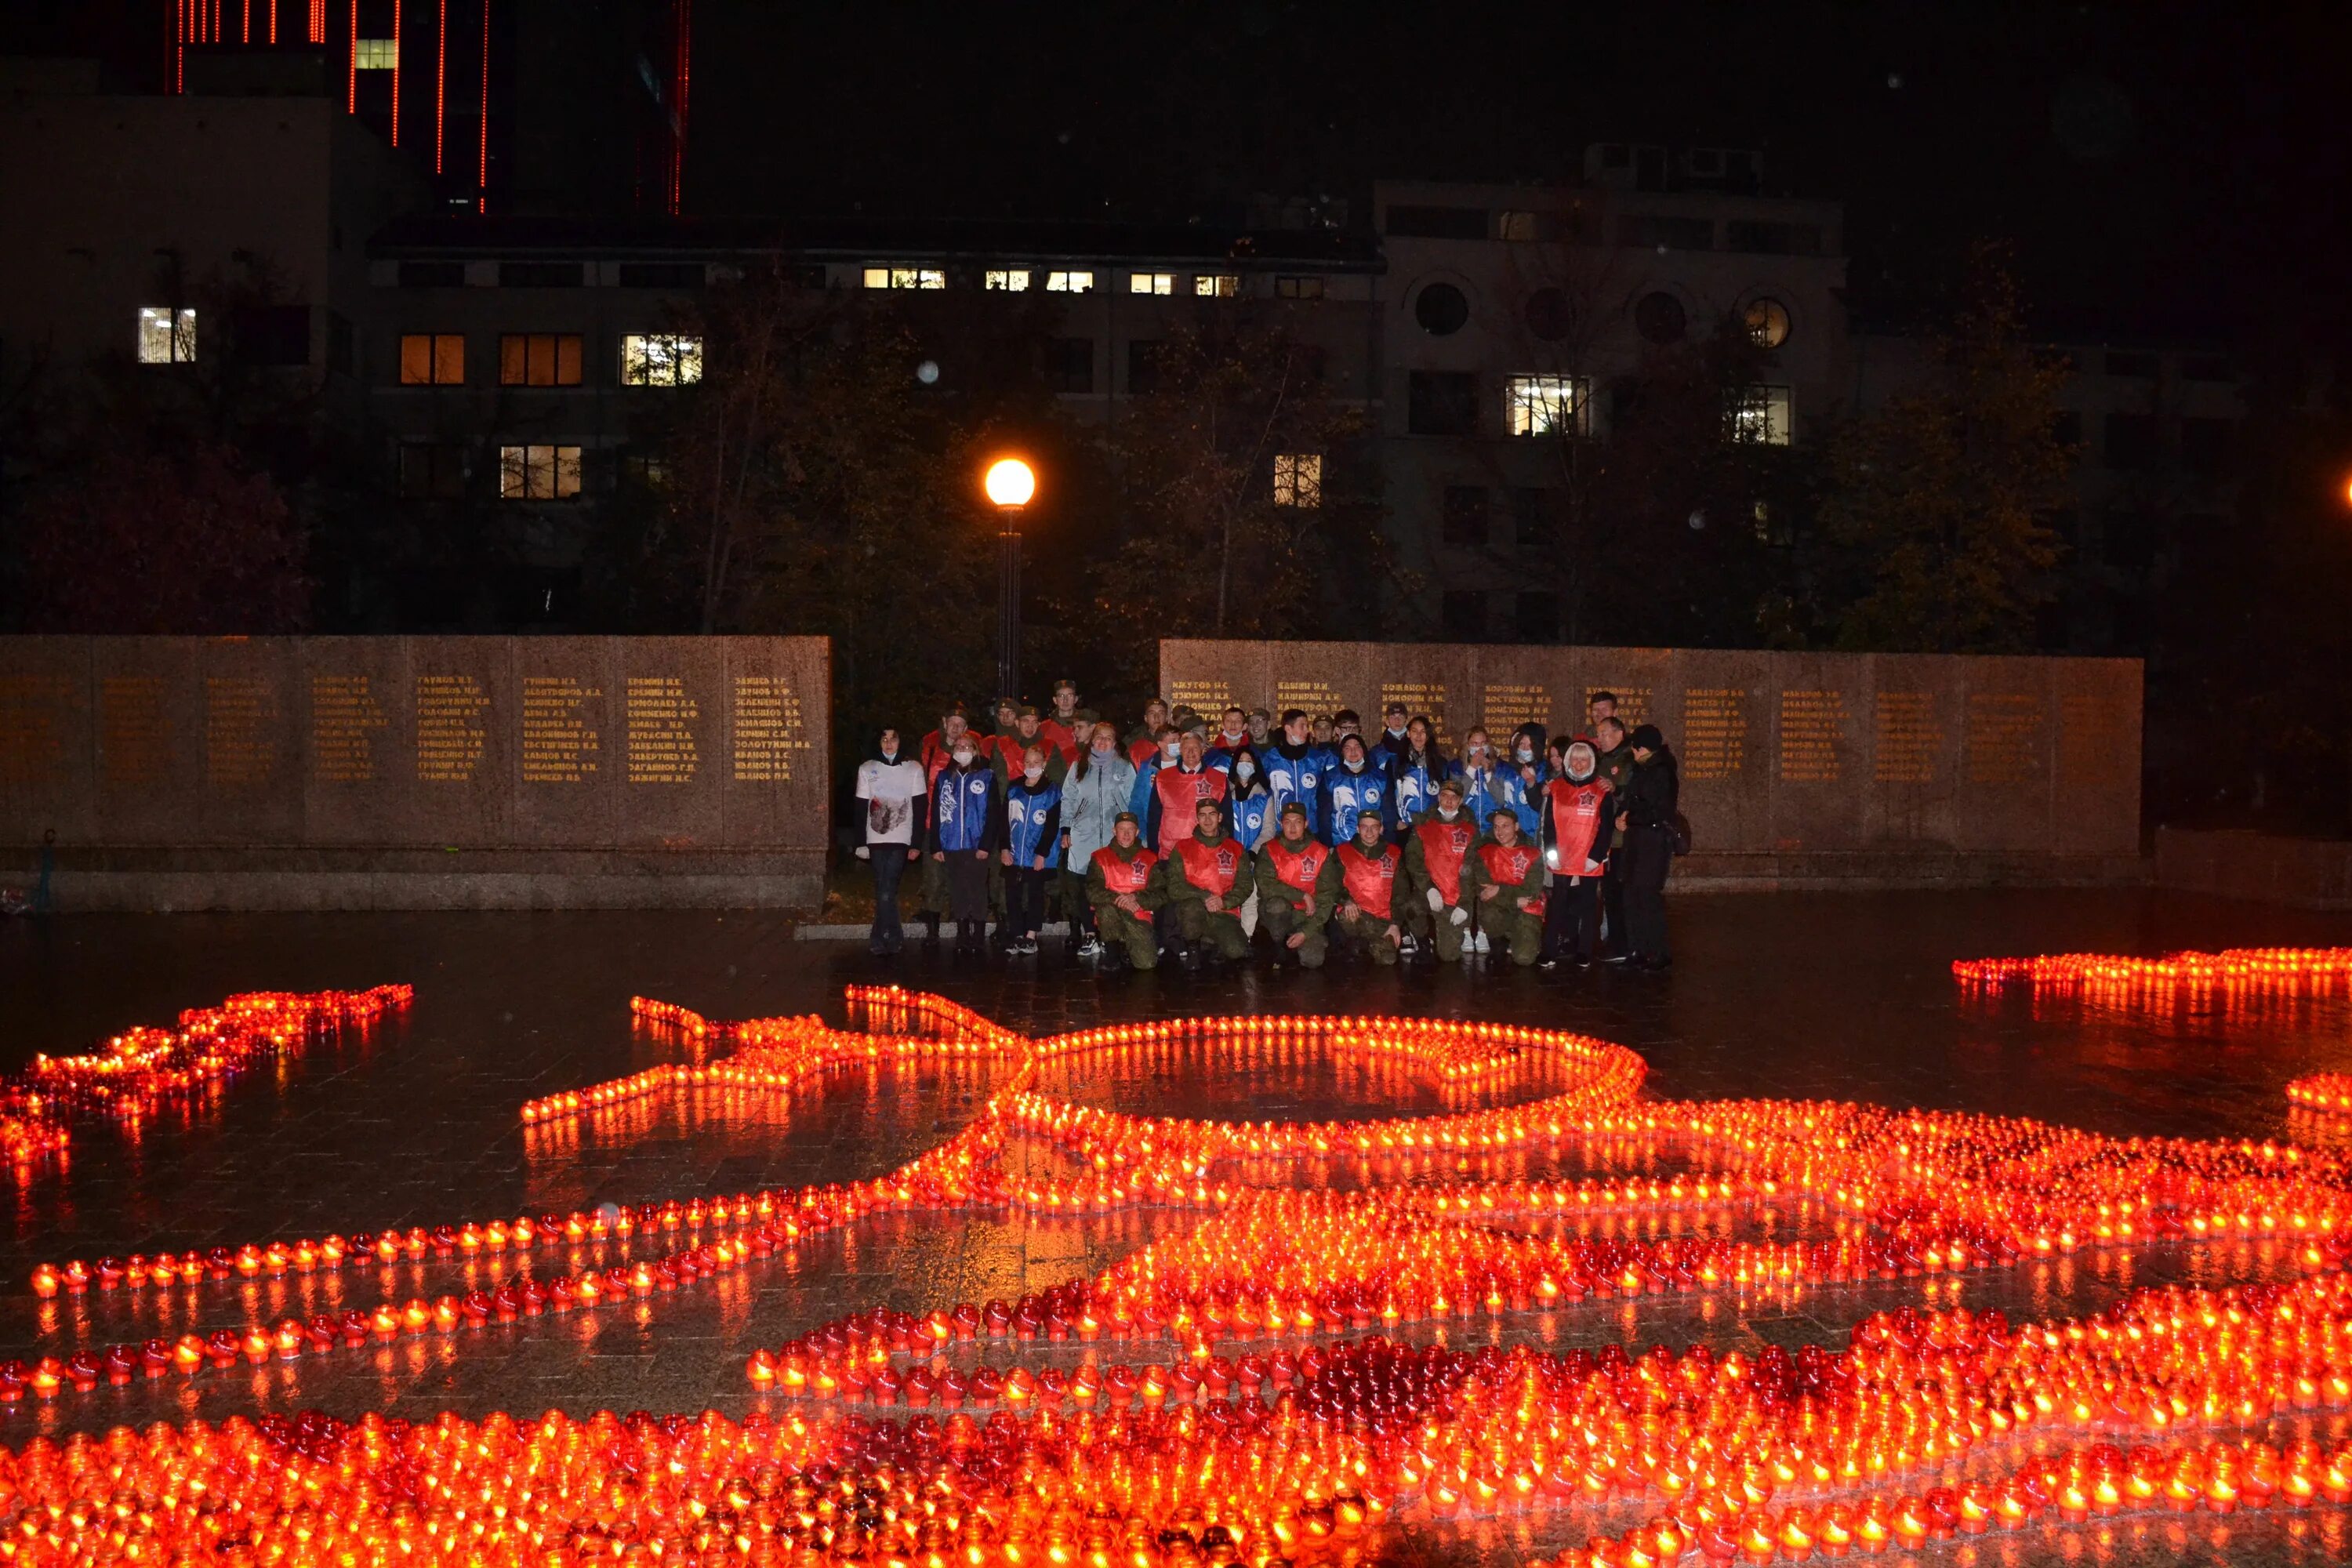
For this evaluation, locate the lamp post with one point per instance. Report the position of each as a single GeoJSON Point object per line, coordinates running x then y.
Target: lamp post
{"type": "Point", "coordinates": [1010, 483]}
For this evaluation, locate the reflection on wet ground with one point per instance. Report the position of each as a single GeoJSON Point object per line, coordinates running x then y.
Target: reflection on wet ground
{"type": "Point", "coordinates": [1831, 997]}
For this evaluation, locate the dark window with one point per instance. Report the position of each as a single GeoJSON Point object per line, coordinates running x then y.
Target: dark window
{"type": "Point", "coordinates": [1532, 519]}
{"type": "Point", "coordinates": [661, 275]}
{"type": "Point", "coordinates": [1070, 365]}
{"type": "Point", "coordinates": [643, 471]}
{"type": "Point", "coordinates": [539, 275]}
{"type": "Point", "coordinates": [1441, 309]}
{"type": "Point", "coordinates": [2131, 441]}
{"type": "Point", "coordinates": [2066, 429]}
{"type": "Point", "coordinates": [272, 334]}
{"type": "Point", "coordinates": [1549, 315]}
{"type": "Point", "coordinates": [1442, 402]}
{"type": "Point", "coordinates": [1310, 362]}
{"type": "Point", "coordinates": [1660, 317]}
{"type": "Point", "coordinates": [538, 359]}
{"type": "Point", "coordinates": [1143, 365]}
{"type": "Point", "coordinates": [1649, 231]}
{"type": "Point", "coordinates": [2206, 367]}
{"type": "Point", "coordinates": [432, 274]}
{"type": "Point", "coordinates": [1465, 515]}
{"type": "Point", "coordinates": [432, 471]}
{"type": "Point", "coordinates": [1299, 287]}
{"type": "Point", "coordinates": [2205, 446]}
{"type": "Point", "coordinates": [339, 342]}
{"type": "Point", "coordinates": [2127, 540]}
{"type": "Point", "coordinates": [1438, 223]}
{"type": "Point", "coordinates": [1462, 612]}
{"type": "Point", "coordinates": [1537, 617]}
{"type": "Point", "coordinates": [1772, 238]}
{"type": "Point", "coordinates": [2140, 366]}
{"type": "Point", "coordinates": [805, 274]}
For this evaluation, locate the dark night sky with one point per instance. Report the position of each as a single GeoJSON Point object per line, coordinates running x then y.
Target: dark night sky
{"type": "Point", "coordinates": [2170, 163]}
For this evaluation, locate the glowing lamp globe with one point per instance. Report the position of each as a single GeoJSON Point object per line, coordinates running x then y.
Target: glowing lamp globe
{"type": "Point", "coordinates": [1010, 483]}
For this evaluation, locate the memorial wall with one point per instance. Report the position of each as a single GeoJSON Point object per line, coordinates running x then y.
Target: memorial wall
{"type": "Point", "coordinates": [1797, 767]}
{"type": "Point", "coordinates": [542, 768]}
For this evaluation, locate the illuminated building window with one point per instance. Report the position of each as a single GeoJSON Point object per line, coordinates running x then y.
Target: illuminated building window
{"type": "Point", "coordinates": [538, 359]}
{"type": "Point", "coordinates": [375, 54]}
{"type": "Point", "coordinates": [1216, 285]}
{"type": "Point", "coordinates": [1761, 414]}
{"type": "Point", "coordinates": [1069, 282]}
{"type": "Point", "coordinates": [660, 359]}
{"type": "Point", "coordinates": [167, 336]}
{"type": "Point", "coordinates": [905, 277]}
{"type": "Point", "coordinates": [1008, 280]}
{"type": "Point", "coordinates": [645, 471]}
{"type": "Point", "coordinates": [1767, 321]}
{"type": "Point", "coordinates": [1299, 287]}
{"type": "Point", "coordinates": [1298, 479]}
{"type": "Point", "coordinates": [539, 473]}
{"type": "Point", "coordinates": [1151, 282]}
{"type": "Point", "coordinates": [432, 359]}
{"type": "Point", "coordinates": [1548, 405]}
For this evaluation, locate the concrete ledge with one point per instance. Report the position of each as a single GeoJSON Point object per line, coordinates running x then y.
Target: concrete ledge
{"type": "Point", "coordinates": [2303, 873]}
{"type": "Point", "coordinates": [1799, 870]}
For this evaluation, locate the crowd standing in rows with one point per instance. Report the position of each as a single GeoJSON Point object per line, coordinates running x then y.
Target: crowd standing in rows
{"type": "Point", "coordinates": [1291, 837]}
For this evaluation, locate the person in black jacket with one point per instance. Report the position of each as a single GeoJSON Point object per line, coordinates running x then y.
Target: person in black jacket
{"type": "Point", "coordinates": [1645, 811]}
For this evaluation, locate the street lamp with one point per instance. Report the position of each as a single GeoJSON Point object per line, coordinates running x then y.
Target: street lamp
{"type": "Point", "coordinates": [1010, 483]}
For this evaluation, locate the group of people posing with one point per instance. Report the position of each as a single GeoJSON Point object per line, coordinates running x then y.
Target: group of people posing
{"type": "Point", "coordinates": [1295, 835]}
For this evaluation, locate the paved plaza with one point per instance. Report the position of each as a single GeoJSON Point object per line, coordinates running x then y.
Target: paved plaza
{"type": "Point", "coordinates": [1831, 997]}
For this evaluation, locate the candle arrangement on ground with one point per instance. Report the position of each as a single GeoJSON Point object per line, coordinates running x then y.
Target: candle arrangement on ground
{"type": "Point", "coordinates": [1274, 1381]}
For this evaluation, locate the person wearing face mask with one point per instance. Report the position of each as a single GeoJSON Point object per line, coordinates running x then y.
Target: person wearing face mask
{"type": "Point", "coordinates": [890, 783]}
{"type": "Point", "coordinates": [1121, 883]}
{"type": "Point", "coordinates": [1366, 920]}
{"type": "Point", "coordinates": [937, 757]}
{"type": "Point", "coordinates": [1388, 744]}
{"type": "Point", "coordinates": [1434, 849]}
{"type": "Point", "coordinates": [1646, 812]}
{"type": "Point", "coordinates": [1294, 766]}
{"type": "Point", "coordinates": [1481, 773]}
{"type": "Point", "coordinates": [1614, 760]}
{"type": "Point", "coordinates": [1201, 892]}
{"type": "Point", "coordinates": [1521, 779]}
{"type": "Point", "coordinates": [1096, 791]}
{"type": "Point", "coordinates": [1232, 735]}
{"type": "Point", "coordinates": [1032, 849]}
{"type": "Point", "coordinates": [1181, 781]}
{"type": "Point", "coordinates": [1143, 741]}
{"type": "Point", "coordinates": [964, 826]}
{"type": "Point", "coordinates": [1354, 787]}
{"type": "Point", "coordinates": [1576, 826]}
{"type": "Point", "coordinates": [1416, 769]}
{"type": "Point", "coordinates": [1297, 888]}
{"type": "Point", "coordinates": [1249, 801]}
{"type": "Point", "coordinates": [1505, 872]}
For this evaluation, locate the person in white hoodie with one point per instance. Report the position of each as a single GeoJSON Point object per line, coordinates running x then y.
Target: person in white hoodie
{"type": "Point", "coordinates": [1095, 791]}
{"type": "Point", "coordinates": [890, 781]}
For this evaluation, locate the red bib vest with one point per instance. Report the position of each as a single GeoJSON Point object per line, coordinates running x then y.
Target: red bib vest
{"type": "Point", "coordinates": [1181, 794]}
{"type": "Point", "coordinates": [1125, 876]}
{"type": "Point", "coordinates": [1511, 868]}
{"type": "Point", "coordinates": [1580, 817]}
{"type": "Point", "coordinates": [1443, 845]}
{"type": "Point", "coordinates": [1298, 868]}
{"type": "Point", "coordinates": [1370, 878]}
{"type": "Point", "coordinates": [1213, 868]}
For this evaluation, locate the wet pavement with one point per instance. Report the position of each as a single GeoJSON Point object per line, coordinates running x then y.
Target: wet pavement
{"type": "Point", "coordinates": [1845, 997]}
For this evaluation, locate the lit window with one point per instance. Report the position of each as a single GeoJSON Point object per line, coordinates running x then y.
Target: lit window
{"type": "Point", "coordinates": [1761, 414]}
{"type": "Point", "coordinates": [1767, 321]}
{"type": "Point", "coordinates": [1518, 226]}
{"type": "Point", "coordinates": [1299, 287]}
{"type": "Point", "coordinates": [166, 336]}
{"type": "Point", "coordinates": [1216, 286]}
{"type": "Point", "coordinates": [539, 473]}
{"type": "Point", "coordinates": [1298, 479]}
{"type": "Point", "coordinates": [432, 359]}
{"type": "Point", "coordinates": [905, 277]}
{"type": "Point", "coordinates": [1011, 281]}
{"type": "Point", "coordinates": [643, 471]}
{"type": "Point", "coordinates": [1549, 406]}
{"type": "Point", "coordinates": [538, 359]}
{"type": "Point", "coordinates": [375, 54]}
{"type": "Point", "coordinates": [660, 359]}
{"type": "Point", "coordinates": [1069, 282]}
{"type": "Point", "coordinates": [1151, 282]}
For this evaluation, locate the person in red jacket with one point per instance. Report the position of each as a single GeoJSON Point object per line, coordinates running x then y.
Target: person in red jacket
{"type": "Point", "coordinates": [1368, 865]}
{"type": "Point", "coordinates": [1507, 873]}
{"type": "Point", "coordinates": [1298, 888]}
{"type": "Point", "coordinates": [1201, 891]}
{"type": "Point", "coordinates": [1434, 849]}
{"type": "Point", "coordinates": [1061, 726]}
{"type": "Point", "coordinates": [1577, 819]}
{"type": "Point", "coordinates": [1176, 792]}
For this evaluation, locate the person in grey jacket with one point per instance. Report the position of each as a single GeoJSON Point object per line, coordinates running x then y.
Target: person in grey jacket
{"type": "Point", "coordinates": [1094, 792]}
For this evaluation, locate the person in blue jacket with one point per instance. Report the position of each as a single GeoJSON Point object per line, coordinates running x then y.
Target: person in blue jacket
{"type": "Point", "coordinates": [1353, 788]}
{"type": "Point", "coordinates": [964, 828]}
{"type": "Point", "coordinates": [1032, 848]}
{"type": "Point", "coordinates": [1480, 772]}
{"type": "Point", "coordinates": [1250, 812]}
{"type": "Point", "coordinates": [1418, 767]}
{"type": "Point", "coordinates": [1294, 766]}
{"type": "Point", "coordinates": [1390, 744]}
{"type": "Point", "coordinates": [1519, 781]}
